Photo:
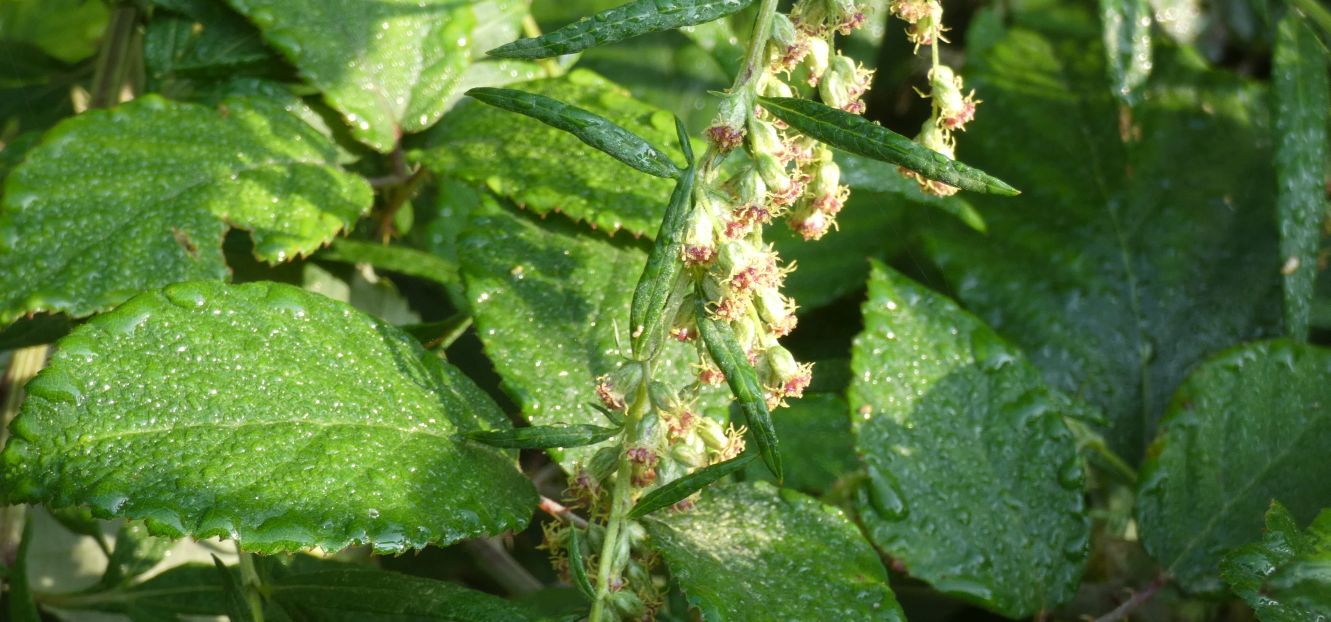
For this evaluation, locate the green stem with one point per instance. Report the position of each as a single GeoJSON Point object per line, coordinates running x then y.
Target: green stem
{"type": "Point", "coordinates": [251, 583]}
{"type": "Point", "coordinates": [113, 59]}
{"type": "Point", "coordinates": [1315, 12]}
{"type": "Point", "coordinates": [621, 501]}
{"type": "Point", "coordinates": [1113, 459]}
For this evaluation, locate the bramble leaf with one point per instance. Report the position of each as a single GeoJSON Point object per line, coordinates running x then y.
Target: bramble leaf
{"type": "Point", "coordinates": [1286, 575]}
{"type": "Point", "coordinates": [589, 127]}
{"type": "Point", "coordinates": [266, 414]}
{"type": "Point", "coordinates": [144, 193]}
{"type": "Point", "coordinates": [861, 136]}
{"type": "Point", "coordinates": [550, 170]}
{"type": "Point", "coordinates": [754, 552]}
{"type": "Point", "coordinates": [632, 19]}
{"type": "Point", "coordinates": [387, 66]}
{"type": "Point", "coordinates": [1239, 433]}
{"type": "Point", "coordinates": [975, 484]}
{"type": "Point", "coordinates": [1301, 101]}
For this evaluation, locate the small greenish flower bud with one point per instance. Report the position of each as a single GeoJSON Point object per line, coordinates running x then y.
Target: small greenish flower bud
{"type": "Point", "coordinates": [784, 376]}
{"type": "Point", "coordinates": [846, 15]}
{"type": "Point", "coordinates": [700, 239]}
{"type": "Point", "coordinates": [810, 16]}
{"type": "Point", "coordinates": [937, 139]}
{"type": "Point", "coordinates": [809, 222]}
{"type": "Point", "coordinates": [764, 138]}
{"type": "Point", "coordinates": [783, 31]}
{"type": "Point", "coordinates": [953, 109]}
{"type": "Point", "coordinates": [816, 59]}
{"type": "Point", "coordinates": [782, 189]}
{"type": "Point", "coordinates": [629, 606]}
{"type": "Point", "coordinates": [637, 574]}
{"type": "Point", "coordinates": [603, 463]}
{"type": "Point", "coordinates": [827, 178]}
{"type": "Point", "coordinates": [844, 84]}
{"type": "Point", "coordinates": [712, 434]}
{"type": "Point", "coordinates": [648, 431]}
{"type": "Point", "coordinates": [750, 187]}
{"type": "Point", "coordinates": [928, 28]}
{"type": "Point", "coordinates": [689, 456]}
{"type": "Point", "coordinates": [662, 396]}
{"type": "Point", "coordinates": [746, 332]}
{"type": "Point", "coordinates": [614, 387]}
{"type": "Point", "coordinates": [910, 11]}
{"type": "Point", "coordinates": [776, 309]}
{"type": "Point", "coordinates": [727, 129]}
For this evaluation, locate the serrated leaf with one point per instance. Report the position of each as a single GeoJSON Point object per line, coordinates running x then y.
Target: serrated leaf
{"type": "Point", "coordinates": [730, 358]}
{"type": "Point", "coordinates": [1119, 268]}
{"type": "Point", "coordinates": [394, 258]}
{"type": "Point", "coordinates": [544, 436]}
{"type": "Point", "coordinates": [266, 414]}
{"type": "Point", "coordinates": [753, 552]}
{"type": "Point", "coordinates": [201, 38]}
{"type": "Point", "coordinates": [1239, 433]}
{"type": "Point", "coordinates": [975, 484]}
{"type": "Point", "coordinates": [680, 489]}
{"type": "Point", "coordinates": [1286, 575]}
{"type": "Point", "coordinates": [362, 593]}
{"type": "Point", "coordinates": [547, 298]}
{"type": "Point", "coordinates": [819, 448]}
{"type": "Point", "coordinates": [550, 170]}
{"type": "Point", "coordinates": [632, 19]}
{"type": "Point", "coordinates": [145, 192]}
{"type": "Point", "coordinates": [1127, 44]}
{"type": "Point", "coordinates": [1300, 96]}
{"type": "Point", "coordinates": [589, 127]}
{"type": "Point", "coordinates": [861, 136]}
{"type": "Point", "coordinates": [387, 66]}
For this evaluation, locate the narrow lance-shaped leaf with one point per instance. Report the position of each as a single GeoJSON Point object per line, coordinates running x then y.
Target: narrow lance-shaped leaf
{"type": "Point", "coordinates": [237, 607]}
{"type": "Point", "coordinates": [544, 436]}
{"type": "Point", "coordinates": [266, 414]}
{"type": "Point", "coordinates": [1127, 37]}
{"type": "Point", "coordinates": [743, 380]}
{"type": "Point", "coordinates": [1300, 94]}
{"type": "Point", "coordinates": [623, 22]}
{"type": "Point", "coordinates": [589, 127]}
{"type": "Point", "coordinates": [680, 489]}
{"type": "Point", "coordinates": [577, 567]}
{"type": "Point", "coordinates": [652, 299]}
{"type": "Point", "coordinates": [861, 136]}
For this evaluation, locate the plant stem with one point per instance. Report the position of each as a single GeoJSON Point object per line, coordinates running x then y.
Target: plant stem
{"type": "Point", "coordinates": [621, 500]}
{"type": "Point", "coordinates": [251, 583]}
{"type": "Point", "coordinates": [1138, 599]}
{"type": "Point", "coordinates": [113, 59]}
{"type": "Point", "coordinates": [500, 565]}
{"type": "Point", "coordinates": [557, 510]}
{"type": "Point", "coordinates": [531, 29]}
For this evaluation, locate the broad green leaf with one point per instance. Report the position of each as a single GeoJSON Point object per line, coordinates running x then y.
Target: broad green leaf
{"type": "Point", "coordinates": [1242, 430]}
{"type": "Point", "coordinates": [1127, 41]}
{"type": "Point", "coordinates": [19, 604]}
{"type": "Point", "coordinates": [544, 437]}
{"type": "Point", "coordinates": [1119, 268]}
{"type": "Point", "coordinates": [731, 359]}
{"type": "Point", "coordinates": [135, 553]}
{"type": "Point", "coordinates": [201, 38]}
{"type": "Point", "coordinates": [818, 446]}
{"type": "Point", "coordinates": [547, 299]}
{"type": "Point", "coordinates": [1301, 101]}
{"type": "Point", "coordinates": [634, 18]}
{"type": "Point", "coordinates": [237, 606]}
{"type": "Point", "coordinates": [117, 201]}
{"type": "Point", "coordinates": [589, 127]}
{"type": "Point", "coordinates": [1286, 575]}
{"type": "Point", "coordinates": [386, 66]}
{"type": "Point", "coordinates": [66, 29]}
{"type": "Point", "coordinates": [187, 590]}
{"type": "Point", "coordinates": [394, 258]}
{"type": "Point", "coordinates": [975, 484]}
{"type": "Point", "coordinates": [680, 489]}
{"type": "Point", "coordinates": [861, 136]}
{"type": "Point", "coordinates": [265, 414]}
{"type": "Point", "coordinates": [753, 552]}
{"type": "Point", "coordinates": [545, 169]}
{"type": "Point", "coordinates": [353, 593]}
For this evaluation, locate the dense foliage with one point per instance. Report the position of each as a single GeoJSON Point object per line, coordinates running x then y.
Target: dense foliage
{"type": "Point", "coordinates": [667, 309]}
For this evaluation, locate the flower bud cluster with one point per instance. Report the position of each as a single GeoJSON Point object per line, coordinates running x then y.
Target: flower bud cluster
{"type": "Point", "coordinates": [951, 108]}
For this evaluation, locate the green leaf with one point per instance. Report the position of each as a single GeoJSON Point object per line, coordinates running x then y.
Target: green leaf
{"type": "Point", "coordinates": [547, 298]}
{"type": "Point", "coordinates": [200, 38]}
{"type": "Point", "coordinates": [544, 436]}
{"type": "Point", "coordinates": [266, 414]}
{"type": "Point", "coordinates": [1119, 268]}
{"type": "Point", "coordinates": [362, 593]}
{"type": "Point", "coordinates": [753, 552]}
{"type": "Point", "coordinates": [1127, 41]}
{"type": "Point", "coordinates": [589, 127]}
{"type": "Point", "coordinates": [975, 484]}
{"type": "Point", "coordinates": [661, 288]}
{"type": "Point", "coordinates": [1301, 101]}
{"type": "Point", "coordinates": [577, 567]}
{"type": "Point", "coordinates": [237, 607]}
{"type": "Point", "coordinates": [729, 357]}
{"type": "Point", "coordinates": [185, 590]}
{"type": "Point", "coordinates": [680, 489]}
{"type": "Point", "coordinates": [861, 136]}
{"type": "Point", "coordinates": [819, 447]}
{"type": "Point", "coordinates": [634, 18]}
{"type": "Point", "coordinates": [145, 192]}
{"type": "Point", "coordinates": [386, 66]}
{"type": "Point", "coordinates": [136, 552]}
{"type": "Point", "coordinates": [1238, 434]}
{"type": "Point", "coordinates": [394, 258]}
{"type": "Point", "coordinates": [1286, 575]}
{"type": "Point", "coordinates": [548, 169]}
{"type": "Point", "coordinates": [19, 604]}
{"type": "Point", "coordinates": [66, 29]}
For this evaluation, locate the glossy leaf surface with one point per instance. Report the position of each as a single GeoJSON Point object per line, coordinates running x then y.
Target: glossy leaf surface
{"type": "Point", "coordinates": [1286, 575]}
{"type": "Point", "coordinates": [634, 18]}
{"type": "Point", "coordinates": [263, 413]}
